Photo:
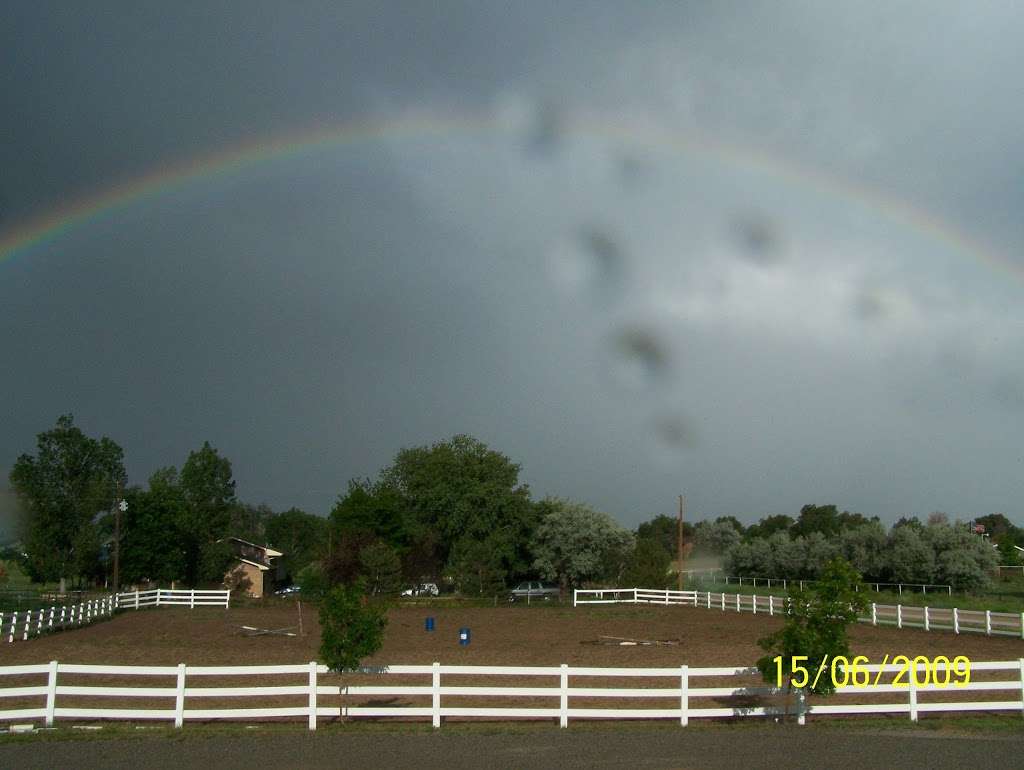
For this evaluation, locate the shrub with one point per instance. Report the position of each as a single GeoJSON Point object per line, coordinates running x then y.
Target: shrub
{"type": "Point", "coordinates": [351, 628]}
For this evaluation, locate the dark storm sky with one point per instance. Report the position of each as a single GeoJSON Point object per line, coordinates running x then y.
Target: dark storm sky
{"type": "Point", "coordinates": [790, 274]}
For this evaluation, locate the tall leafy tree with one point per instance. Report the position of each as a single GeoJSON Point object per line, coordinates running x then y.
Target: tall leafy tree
{"type": "Point", "coordinates": [300, 536]}
{"type": "Point", "coordinates": [152, 546]}
{"type": "Point", "coordinates": [574, 543]}
{"type": "Point", "coordinates": [70, 480]}
{"type": "Point", "coordinates": [208, 490]}
{"type": "Point", "coordinates": [664, 530]}
{"type": "Point", "coordinates": [460, 488]}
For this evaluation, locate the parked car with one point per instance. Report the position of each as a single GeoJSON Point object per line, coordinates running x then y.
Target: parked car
{"type": "Point", "coordinates": [534, 589]}
{"type": "Point", "coordinates": [289, 591]}
{"type": "Point", "coordinates": [423, 589]}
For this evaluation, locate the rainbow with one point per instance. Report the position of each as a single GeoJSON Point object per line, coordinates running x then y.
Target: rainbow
{"type": "Point", "coordinates": [50, 226]}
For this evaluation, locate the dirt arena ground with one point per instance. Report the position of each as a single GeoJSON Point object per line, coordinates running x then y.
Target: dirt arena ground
{"type": "Point", "coordinates": [499, 636]}
{"type": "Point", "coordinates": [503, 635]}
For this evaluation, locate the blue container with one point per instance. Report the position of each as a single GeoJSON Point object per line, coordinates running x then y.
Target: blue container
{"type": "Point", "coordinates": [463, 636]}
{"type": "Point", "coordinates": [429, 624]}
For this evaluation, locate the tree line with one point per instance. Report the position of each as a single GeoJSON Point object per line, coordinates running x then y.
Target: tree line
{"type": "Point", "coordinates": [911, 551]}
{"type": "Point", "coordinates": [453, 509]}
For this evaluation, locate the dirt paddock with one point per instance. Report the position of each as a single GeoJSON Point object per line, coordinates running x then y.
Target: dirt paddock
{"type": "Point", "coordinates": [539, 636]}
{"type": "Point", "coordinates": [499, 636]}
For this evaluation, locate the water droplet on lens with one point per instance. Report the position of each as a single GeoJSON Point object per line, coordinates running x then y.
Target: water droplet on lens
{"type": "Point", "coordinates": [759, 239]}
{"type": "Point", "coordinates": [590, 262]}
{"type": "Point", "coordinates": [640, 359]}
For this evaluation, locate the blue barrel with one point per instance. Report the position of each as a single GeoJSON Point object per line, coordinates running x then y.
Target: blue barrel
{"type": "Point", "coordinates": [463, 636]}
{"type": "Point", "coordinates": [429, 624]}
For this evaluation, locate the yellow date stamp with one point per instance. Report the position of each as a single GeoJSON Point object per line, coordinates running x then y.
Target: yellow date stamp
{"type": "Point", "coordinates": [919, 671]}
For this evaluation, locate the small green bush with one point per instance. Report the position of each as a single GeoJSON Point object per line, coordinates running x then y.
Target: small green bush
{"type": "Point", "coordinates": [351, 628]}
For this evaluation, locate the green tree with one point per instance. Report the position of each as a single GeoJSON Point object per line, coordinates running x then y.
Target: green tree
{"type": "Point", "coordinates": [300, 536]}
{"type": "Point", "coordinates": [664, 530]}
{"type": "Point", "coordinates": [769, 525]}
{"type": "Point", "coordinates": [208, 490]}
{"type": "Point", "coordinates": [715, 537]}
{"type": "Point", "coordinates": [381, 567]}
{"type": "Point", "coordinates": [909, 557]}
{"type": "Point", "coordinates": [574, 543]}
{"type": "Point", "coordinates": [461, 488]}
{"type": "Point", "coordinates": [817, 518]}
{"type": "Point", "coordinates": [648, 566]}
{"type": "Point", "coordinates": [152, 547]}
{"type": "Point", "coordinates": [815, 627]}
{"type": "Point", "coordinates": [71, 479]}
{"type": "Point", "coordinates": [351, 628]}
{"type": "Point", "coordinates": [477, 564]}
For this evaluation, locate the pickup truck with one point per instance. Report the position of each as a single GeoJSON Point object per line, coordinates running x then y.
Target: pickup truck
{"type": "Point", "coordinates": [534, 589]}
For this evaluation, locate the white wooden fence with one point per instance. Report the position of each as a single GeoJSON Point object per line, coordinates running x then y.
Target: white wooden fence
{"type": "Point", "coordinates": [28, 623]}
{"type": "Point", "coordinates": [25, 624]}
{"type": "Point", "coordinates": [163, 597]}
{"type": "Point", "coordinates": [672, 690]}
{"type": "Point", "coordinates": [899, 615]}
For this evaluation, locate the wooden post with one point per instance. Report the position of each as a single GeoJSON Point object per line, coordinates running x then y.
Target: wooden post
{"type": "Point", "coordinates": [435, 696]}
{"type": "Point", "coordinates": [679, 543]}
{"type": "Point", "coordinates": [51, 692]}
{"type": "Point", "coordinates": [179, 697]}
{"type": "Point", "coordinates": [684, 694]}
{"type": "Point", "coordinates": [563, 697]}
{"type": "Point", "coordinates": [312, 695]}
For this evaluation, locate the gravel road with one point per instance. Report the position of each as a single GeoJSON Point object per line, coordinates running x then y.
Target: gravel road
{"type": "Point", "coordinates": [793, 747]}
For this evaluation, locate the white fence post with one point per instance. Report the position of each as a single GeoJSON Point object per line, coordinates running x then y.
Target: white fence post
{"type": "Point", "coordinates": [50, 623]}
{"type": "Point", "coordinates": [137, 599]}
{"type": "Point", "coordinates": [801, 707]}
{"type": "Point", "coordinates": [1022, 625]}
{"type": "Point", "coordinates": [179, 697]}
{"type": "Point", "coordinates": [899, 616]}
{"type": "Point", "coordinates": [737, 602]}
{"type": "Point", "coordinates": [39, 623]}
{"type": "Point", "coordinates": [14, 622]}
{"type": "Point", "coordinates": [575, 593]}
{"type": "Point", "coordinates": [28, 622]}
{"type": "Point", "coordinates": [1022, 686]}
{"type": "Point", "coordinates": [771, 604]}
{"type": "Point", "coordinates": [913, 693]}
{"type": "Point", "coordinates": [51, 692]}
{"type": "Point", "coordinates": [694, 598]}
{"type": "Point", "coordinates": [723, 601]}
{"type": "Point", "coordinates": [755, 604]}
{"type": "Point", "coordinates": [192, 599]}
{"type": "Point", "coordinates": [435, 695]}
{"type": "Point", "coordinates": [563, 696]}
{"type": "Point", "coordinates": [312, 695]}
{"type": "Point", "coordinates": [874, 614]}
{"type": "Point", "coordinates": [684, 694]}
{"type": "Point", "coordinates": [635, 600]}
{"type": "Point", "coordinates": [926, 628]}
{"type": "Point", "coordinates": [956, 621]}
{"type": "Point", "coordinates": [988, 622]}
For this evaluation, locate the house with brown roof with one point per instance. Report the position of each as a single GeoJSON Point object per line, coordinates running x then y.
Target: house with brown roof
{"type": "Point", "coordinates": [254, 570]}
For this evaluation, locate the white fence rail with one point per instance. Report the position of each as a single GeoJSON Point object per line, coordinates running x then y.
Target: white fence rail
{"type": "Point", "coordinates": [899, 615]}
{"type": "Point", "coordinates": [26, 624]}
{"type": "Point", "coordinates": [563, 690]}
{"type": "Point", "coordinates": [29, 623]}
{"type": "Point", "coordinates": [766, 582]}
{"type": "Point", "coordinates": [163, 597]}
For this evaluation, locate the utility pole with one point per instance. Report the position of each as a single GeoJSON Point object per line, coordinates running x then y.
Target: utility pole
{"type": "Point", "coordinates": [120, 507]}
{"type": "Point", "coordinates": [679, 543]}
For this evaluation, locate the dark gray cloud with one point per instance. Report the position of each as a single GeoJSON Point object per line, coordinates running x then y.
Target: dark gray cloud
{"type": "Point", "coordinates": [673, 263]}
